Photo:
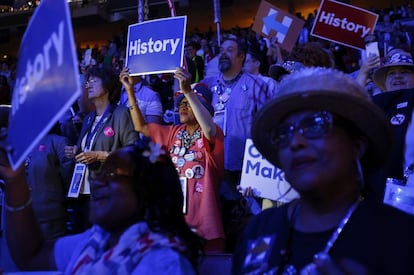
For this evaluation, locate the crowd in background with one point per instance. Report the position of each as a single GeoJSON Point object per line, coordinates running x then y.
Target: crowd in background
{"type": "Point", "coordinates": [393, 30]}
{"type": "Point", "coordinates": [202, 49]}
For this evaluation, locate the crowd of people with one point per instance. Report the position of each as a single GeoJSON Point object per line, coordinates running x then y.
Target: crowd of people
{"type": "Point", "coordinates": [144, 172]}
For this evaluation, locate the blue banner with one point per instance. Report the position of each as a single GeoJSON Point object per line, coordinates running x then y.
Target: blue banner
{"type": "Point", "coordinates": [156, 46]}
{"type": "Point", "coordinates": [47, 79]}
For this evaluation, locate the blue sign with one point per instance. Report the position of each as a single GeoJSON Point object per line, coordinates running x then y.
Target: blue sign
{"type": "Point", "coordinates": [156, 46]}
{"type": "Point", "coordinates": [47, 79]}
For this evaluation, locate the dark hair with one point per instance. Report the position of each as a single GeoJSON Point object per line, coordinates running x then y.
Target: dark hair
{"type": "Point", "coordinates": [312, 54]}
{"type": "Point", "coordinates": [357, 134]}
{"type": "Point", "coordinates": [241, 43]}
{"type": "Point", "coordinates": [110, 81]}
{"type": "Point", "coordinates": [158, 190]}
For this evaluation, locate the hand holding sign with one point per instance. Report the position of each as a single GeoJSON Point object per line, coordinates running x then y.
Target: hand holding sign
{"type": "Point", "coordinates": [271, 21]}
{"type": "Point", "coordinates": [156, 46]}
{"type": "Point", "coordinates": [343, 23]}
{"type": "Point", "coordinates": [263, 178]}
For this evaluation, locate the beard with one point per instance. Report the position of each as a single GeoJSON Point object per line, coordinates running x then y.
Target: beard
{"type": "Point", "coordinates": [224, 64]}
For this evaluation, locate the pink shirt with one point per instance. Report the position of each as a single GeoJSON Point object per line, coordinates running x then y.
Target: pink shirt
{"type": "Point", "coordinates": [202, 164]}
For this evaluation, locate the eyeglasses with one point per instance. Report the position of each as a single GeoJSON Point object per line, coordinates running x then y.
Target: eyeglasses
{"type": "Point", "coordinates": [108, 177]}
{"type": "Point", "coordinates": [313, 126]}
{"type": "Point", "coordinates": [90, 81]}
{"type": "Point", "coordinates": [183, 105]}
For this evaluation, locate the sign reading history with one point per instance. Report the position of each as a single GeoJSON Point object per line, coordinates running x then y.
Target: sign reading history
{"type": "Point", "coordinates": [47, 78]}
{"type": "Point", "coordinates": [343, 23]}
{"type": "Point", "coordinates": [156, 46]}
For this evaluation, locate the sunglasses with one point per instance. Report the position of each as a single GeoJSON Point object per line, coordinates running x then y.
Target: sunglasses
{"type": "Point", "coordinates": [314, 126]}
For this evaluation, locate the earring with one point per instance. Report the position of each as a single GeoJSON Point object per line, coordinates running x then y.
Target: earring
{"type": "Point", "coordinates": [360, 174]}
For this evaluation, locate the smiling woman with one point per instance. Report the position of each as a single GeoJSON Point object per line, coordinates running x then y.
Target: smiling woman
{"type": "Point", "coordinates": [136, 211]}
{"type": "Point", "coordinates": [328, 137]}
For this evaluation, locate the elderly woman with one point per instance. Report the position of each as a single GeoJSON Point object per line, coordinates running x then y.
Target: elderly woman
{"type": "Point", "coordinates": [136, 208]}
{"type": "Point", "coordinates": [324, 132]}
{"type": "Point", "coordinates": [104, 130]}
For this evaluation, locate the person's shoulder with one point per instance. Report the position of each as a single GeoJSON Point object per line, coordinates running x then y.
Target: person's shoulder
{"type": "Point", "coordinates": [268, 219]}
{"type": "Point", "coordinates": [389, 216]}
{"type": "Point", "coordinates": [210, 80]}
{"type": "Point", "coordinates": [258, 82]}
{"type": "Point", "coordinates": [393, 98]}
{"type": "Point", "coordinates": [120, 109]}
{"type": "Point", "coordinates": [147, 89]}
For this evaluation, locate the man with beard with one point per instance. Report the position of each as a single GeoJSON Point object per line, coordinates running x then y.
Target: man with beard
{"type": "Point", "coordinates": [237, 96]}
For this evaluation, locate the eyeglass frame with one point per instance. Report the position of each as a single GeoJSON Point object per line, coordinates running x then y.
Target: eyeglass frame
{"type": "Point", "coordinates": [328, 123]}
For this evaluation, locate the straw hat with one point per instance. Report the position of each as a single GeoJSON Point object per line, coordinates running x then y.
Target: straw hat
{"type": "Point", "coordinates": [395, 58]}
{"type": "Point", "coordinates": [329, 90]}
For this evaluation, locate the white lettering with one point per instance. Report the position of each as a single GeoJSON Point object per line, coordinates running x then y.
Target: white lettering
{"type": "Point", "coordinates": [174, 45]}
{"type": "Point", "coordinates": [37, 68]}
{"type": "Point", "coordinates": [138, 47]}
{"type": "Point", "coordinates": [343, 23]}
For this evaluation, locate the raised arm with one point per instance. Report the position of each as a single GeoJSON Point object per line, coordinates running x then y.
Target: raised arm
{"type": "Point", "coordinates": [136, 114]}
{"type": "Point", "coordinates": [201, 114]}
{"type": "Point", "coordinates": [24, 238]}
{"type": "Point", "coordinates": [367, 65]}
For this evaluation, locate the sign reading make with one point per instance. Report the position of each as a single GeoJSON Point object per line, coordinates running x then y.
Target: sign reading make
{"type": "Point", "coordinates": [271, 21]}
{"type": "Point", "coordinates": [343, 23]}
{"type": "Point", "coordinates": [156, 46]}
{"type": "Point", "coordinates": [266, 180]}
{"type": "Point", "coordinates": [47, 79]}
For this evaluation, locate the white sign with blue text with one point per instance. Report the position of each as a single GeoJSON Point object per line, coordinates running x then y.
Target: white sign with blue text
{"type": "Point", "coordinates": [47, 78]}
{"type": "Point", "coordinates": [156, 46]}
{"type": "Point", "coordinates": [266, 180]}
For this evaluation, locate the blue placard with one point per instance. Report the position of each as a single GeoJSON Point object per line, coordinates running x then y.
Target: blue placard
{"type": "Point", "coordinates": [47, 79]}
{"type": "Point", "coordinates": [156, 46]}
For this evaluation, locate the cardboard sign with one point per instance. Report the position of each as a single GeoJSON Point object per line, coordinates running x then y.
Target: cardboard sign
{"type": "Point", "coordinates": [266, 180]}
{"type": "Point", "coordinates": [343, 24]}
{"type": "Point", "coordinates": [156, 46]}
{"type": "Point", "coordinates": [47, 79]}
{"type": "Point", "coordinates": [271, 21]}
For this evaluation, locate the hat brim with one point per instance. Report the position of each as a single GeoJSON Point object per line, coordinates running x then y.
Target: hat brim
{"type": "Point", "coordinates": [380, 74]}
{"type": "Point", "coordinates": [369, 119]}
{"type": "Point", "coordinates": [208, 106]}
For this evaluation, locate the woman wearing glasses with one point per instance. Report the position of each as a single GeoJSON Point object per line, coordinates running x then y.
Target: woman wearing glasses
{"type": "Point", "coordinates": [104, 130]}
{"type": "Point", "coordinates": [327, 136]}
{"type": "Point", "coordinates": [196, 148]}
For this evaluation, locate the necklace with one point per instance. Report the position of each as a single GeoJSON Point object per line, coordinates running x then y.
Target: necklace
{"type": "Point", "coordinates": [224, 88]}
{"type": "Point", "coordinates": [288, 269]}
{"type": "Point", "coordinates": [189, 140]}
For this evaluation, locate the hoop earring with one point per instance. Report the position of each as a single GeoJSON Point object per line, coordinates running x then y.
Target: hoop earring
{"type": "Point", "coordinates": [360, 173]}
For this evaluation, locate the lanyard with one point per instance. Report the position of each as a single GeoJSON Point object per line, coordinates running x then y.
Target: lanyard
{"type": "Point", "coordinates": [93, 131]}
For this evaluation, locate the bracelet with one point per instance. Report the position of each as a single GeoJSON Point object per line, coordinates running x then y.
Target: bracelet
{"type": "Point", "coordinates": [132, 106]}
{"type": "Point", "coordinates": [18, 208]}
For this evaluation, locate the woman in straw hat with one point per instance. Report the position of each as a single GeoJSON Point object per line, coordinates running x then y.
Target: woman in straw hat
{"type": "Point", "coordinates": [324, 132]}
